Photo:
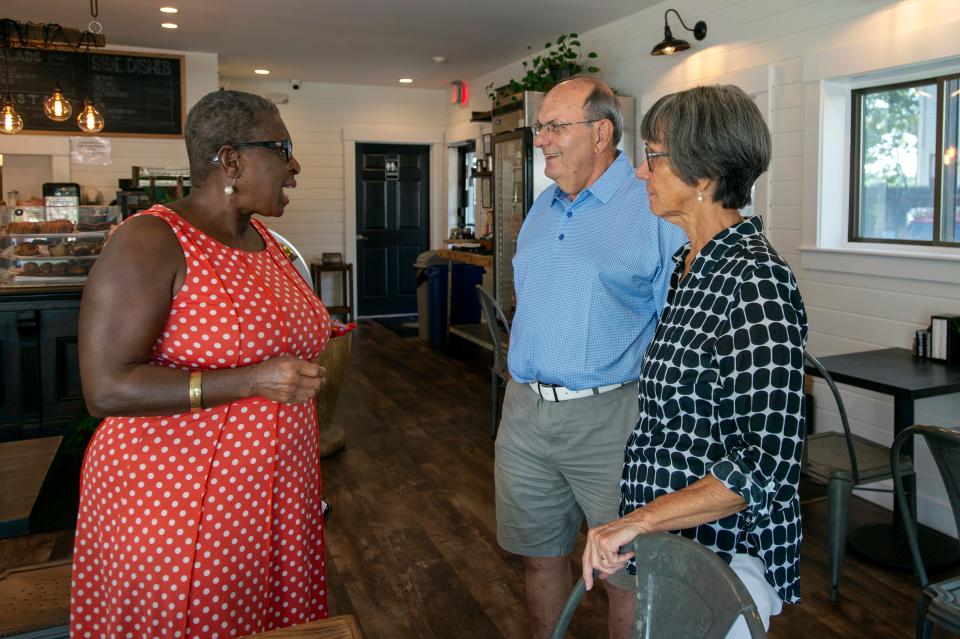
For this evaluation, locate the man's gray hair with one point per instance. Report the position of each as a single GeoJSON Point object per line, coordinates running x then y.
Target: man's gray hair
{"type": "Point", "coordinates": [219, 118]}
{"type": "Point", "coordinates": [715, 133]}
{"type": "Point", "coordinates": [602, 104]}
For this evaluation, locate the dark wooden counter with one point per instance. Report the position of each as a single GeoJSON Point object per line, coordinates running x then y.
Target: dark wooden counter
{"type": "Point", "coordinates": [39, 365]}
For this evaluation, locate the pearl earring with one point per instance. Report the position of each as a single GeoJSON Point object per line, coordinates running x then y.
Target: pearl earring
{"type": "Point", "coordinates": [228, 189]}
{"type": "Point", "coordinates": [699, 196]}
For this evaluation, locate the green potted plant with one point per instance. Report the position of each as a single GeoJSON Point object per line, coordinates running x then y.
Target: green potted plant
{"type": "Point", "coordinates": [559, 61]}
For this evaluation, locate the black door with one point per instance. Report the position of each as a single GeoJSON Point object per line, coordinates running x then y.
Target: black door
{"type": "Point", "coordinates": [393, 225]}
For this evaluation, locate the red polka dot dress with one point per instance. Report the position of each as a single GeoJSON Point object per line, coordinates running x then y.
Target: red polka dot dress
{"type": "Point", "coordinates": [208, 524]}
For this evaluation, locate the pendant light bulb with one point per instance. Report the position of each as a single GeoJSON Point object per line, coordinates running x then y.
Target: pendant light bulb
{"type": "Point", "coordinates": [56, 106]}
{"type": "Point", "coordinates": [90, 120]}
{"type": "Point", "coordinates": [10, 121]}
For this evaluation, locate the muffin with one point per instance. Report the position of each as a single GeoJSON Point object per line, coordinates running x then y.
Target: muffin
{"type": "Point", "coordinates": [83, 248]}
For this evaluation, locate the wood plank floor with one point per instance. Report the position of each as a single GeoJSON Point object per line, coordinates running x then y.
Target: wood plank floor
{"type": "Point", "coordinates": [412, 546]}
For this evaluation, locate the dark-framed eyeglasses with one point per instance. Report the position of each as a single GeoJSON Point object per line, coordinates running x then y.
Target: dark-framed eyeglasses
{"type": "Point", "coordinates": [553, 127]}
{"type": "Point", "coordinates": [277, 145]}
{"type": "Point", "coordinates": [649, 155]}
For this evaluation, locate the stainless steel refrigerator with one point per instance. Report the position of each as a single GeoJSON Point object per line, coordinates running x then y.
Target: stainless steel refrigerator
{"type": "Point", "coordinates": [518, 179]}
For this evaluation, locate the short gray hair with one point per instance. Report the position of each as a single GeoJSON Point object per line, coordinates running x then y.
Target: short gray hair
{"type": "Point", "coordinates": [715, 133]}
{"type": "Point", "coordinates": [219, 118]}
{"type": "Point", "coordinates": [602, 104]}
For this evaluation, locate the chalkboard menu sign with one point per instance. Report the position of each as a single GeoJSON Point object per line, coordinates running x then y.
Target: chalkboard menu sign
{"type": "Point", "coordinates": [137, 94]}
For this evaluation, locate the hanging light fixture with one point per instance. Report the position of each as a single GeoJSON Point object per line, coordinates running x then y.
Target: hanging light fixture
{"type": "Point", "coordinates": [10, 121]}
{"type": "Point", "coordinates": [56, 106]}
{"type": "Point", "coordinates": [90, 120]}
{"type": "Point", "coordinates": [671, 45]}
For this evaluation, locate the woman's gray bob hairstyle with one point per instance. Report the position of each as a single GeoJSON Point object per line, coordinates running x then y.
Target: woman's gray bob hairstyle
{"type": "Point", "coordinates": [715, 133]}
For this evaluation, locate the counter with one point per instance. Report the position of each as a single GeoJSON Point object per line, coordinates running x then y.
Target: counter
{"type": "Point", "coordinates": [45, 255]}
{"type": "Point", "coordinates": [478, 334]}
{"type": "Point", "coordinates": [39, 362]}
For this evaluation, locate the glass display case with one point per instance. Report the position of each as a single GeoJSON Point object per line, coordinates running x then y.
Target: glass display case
{"type": "Point", "coordinates": [162, 185]}
{"type": "Point", "coordinates": [510, 206]}
{"type": "Point", "coordinates": [36, 250]}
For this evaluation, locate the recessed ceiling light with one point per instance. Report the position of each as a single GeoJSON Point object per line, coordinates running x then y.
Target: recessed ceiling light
{"type": "Point", "coordinates": [439, 59]}
{"type": "Point", "coordinates": [262, 71]}
{"type": "Point", "coordinates": [168, 9]}
{"type": "Point", "coordinates": [168, 25]}
{"type": "Point", "coordinates": [405, 80]}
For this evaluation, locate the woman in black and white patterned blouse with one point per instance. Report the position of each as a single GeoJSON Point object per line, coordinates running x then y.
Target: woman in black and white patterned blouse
{"type": "Point", "coordinates": [716, 452]}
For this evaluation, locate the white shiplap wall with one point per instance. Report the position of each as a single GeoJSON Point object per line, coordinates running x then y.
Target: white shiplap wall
{"type": "Point", "coordinates": [780, 51]}
{"type": "Point", "coordinates": [325, 121]}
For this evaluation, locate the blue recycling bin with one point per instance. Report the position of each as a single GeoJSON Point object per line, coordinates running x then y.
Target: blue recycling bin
{"type": "Point", "coordinates": [465, 307]}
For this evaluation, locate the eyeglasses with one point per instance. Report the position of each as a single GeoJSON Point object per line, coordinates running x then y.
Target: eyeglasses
{"type": "Point", "coordinates": [277, 145]}
{"type": "Point", "coordinates": [649, 155]}
{"type": "Point", "coordinates": [553, 127]}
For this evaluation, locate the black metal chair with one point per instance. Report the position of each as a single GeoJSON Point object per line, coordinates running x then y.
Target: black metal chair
{"type": "Point", "coordinates": [843, 461]}
{"type": "Point", "coordinates": [499, 374]}
{"type": "Point", "coordinates": [686, 591]}
{"type": "Point", "coordinates": [940, 602]}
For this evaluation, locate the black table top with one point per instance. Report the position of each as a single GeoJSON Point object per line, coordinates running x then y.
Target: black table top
{"type": "Point", "coordinates": [893, 371]}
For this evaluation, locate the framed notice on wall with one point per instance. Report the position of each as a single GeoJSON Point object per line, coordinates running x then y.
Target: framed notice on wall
{"type": "Point", "coordinates": [138, 94]}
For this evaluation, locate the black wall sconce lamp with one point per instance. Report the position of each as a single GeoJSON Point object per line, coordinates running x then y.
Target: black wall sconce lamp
{"type": "Point", "coordinates": [671, 45]}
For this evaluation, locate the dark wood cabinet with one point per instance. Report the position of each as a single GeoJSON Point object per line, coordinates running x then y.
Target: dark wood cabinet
{"type": "Point", "coordinates": [39, 365]}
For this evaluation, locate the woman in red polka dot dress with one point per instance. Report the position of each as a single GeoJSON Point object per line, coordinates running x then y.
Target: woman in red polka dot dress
{"type": "Point", "coordinates": [200, 511]}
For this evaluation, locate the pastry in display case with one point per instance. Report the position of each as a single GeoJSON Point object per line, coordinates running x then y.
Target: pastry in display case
{"type": "Point", "coordinates": [37, 251]}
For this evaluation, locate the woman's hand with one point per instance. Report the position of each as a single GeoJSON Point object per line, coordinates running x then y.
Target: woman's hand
{"type": "Point", "coordinates": [287, 379]}
{"type": "Point", "coordinates": [602, 552]}
{"type": "Point", "coordinates": [702, 501]}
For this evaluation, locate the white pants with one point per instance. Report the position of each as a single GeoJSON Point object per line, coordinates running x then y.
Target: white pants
{"type": "Point", "coordinates": [750, 571]}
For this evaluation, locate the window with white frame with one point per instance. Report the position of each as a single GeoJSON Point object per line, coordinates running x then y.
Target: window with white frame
{"type": "Point", "coordinates": [904, 179]}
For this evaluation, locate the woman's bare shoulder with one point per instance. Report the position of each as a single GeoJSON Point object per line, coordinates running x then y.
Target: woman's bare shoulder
{"type": "Point", "coordinates": [143, 248]}
{"type": "Point", "coordinates": [148, 236]}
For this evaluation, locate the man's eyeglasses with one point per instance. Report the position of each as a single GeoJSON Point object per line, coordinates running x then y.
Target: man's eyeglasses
{"type": "Point", "coordinates": [649, 155]}
{"type": "Point", "coordinates": [553, 127]}
{"type": "Point", "coordinates": [277, 145]}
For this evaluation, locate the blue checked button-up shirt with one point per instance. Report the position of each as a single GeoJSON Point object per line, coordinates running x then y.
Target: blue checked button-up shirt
{"type": "Point", "coordinates": [591, 276]}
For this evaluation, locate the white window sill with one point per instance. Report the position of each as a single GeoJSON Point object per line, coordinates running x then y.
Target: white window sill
{"type": "Point", "coordinates": [929, 265]}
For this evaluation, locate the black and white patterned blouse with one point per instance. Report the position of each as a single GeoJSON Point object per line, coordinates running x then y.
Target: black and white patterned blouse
{"type": "Point", "coordinates": [721, 392]}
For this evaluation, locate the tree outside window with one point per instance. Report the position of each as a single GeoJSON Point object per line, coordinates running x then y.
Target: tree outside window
{"type": "Point", "coordinates": [904, 164]}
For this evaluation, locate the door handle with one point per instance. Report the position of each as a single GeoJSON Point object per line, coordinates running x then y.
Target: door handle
{"type": "Point", "coordinates": [362, 237]}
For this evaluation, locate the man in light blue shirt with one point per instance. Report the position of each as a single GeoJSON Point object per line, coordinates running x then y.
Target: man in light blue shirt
{"type": "Point", "coordinates": [591, 272]}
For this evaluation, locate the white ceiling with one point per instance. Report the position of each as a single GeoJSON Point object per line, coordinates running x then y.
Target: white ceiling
{"type": "Point", "coordinates": [340, 41]}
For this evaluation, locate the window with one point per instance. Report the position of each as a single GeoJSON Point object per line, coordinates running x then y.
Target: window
{"type": "Point", "coordinates": [904, 163]}
{"type": "Point", "coordinates": [466, 191]}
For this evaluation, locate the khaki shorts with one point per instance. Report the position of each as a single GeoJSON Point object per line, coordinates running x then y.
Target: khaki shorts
{"type": "Point", "coordinates": [557, 462]}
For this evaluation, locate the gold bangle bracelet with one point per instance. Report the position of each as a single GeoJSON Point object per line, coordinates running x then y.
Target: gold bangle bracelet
{"type": "Point", "coordinates": [196, 392]}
